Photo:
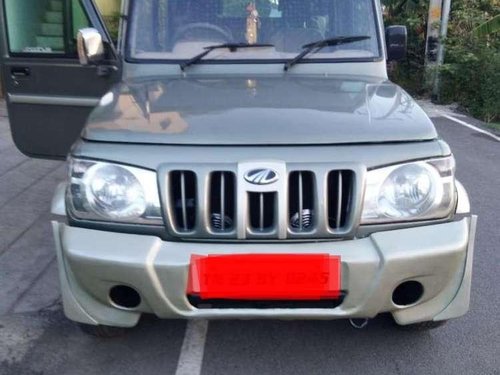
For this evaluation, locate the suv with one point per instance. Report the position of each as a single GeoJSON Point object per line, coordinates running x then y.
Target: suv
{"type": "Point", "coordinates": [237, 160]}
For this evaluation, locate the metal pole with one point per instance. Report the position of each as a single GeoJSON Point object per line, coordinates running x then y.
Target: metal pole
{"type": "Point", "coordinates": [441, 46]}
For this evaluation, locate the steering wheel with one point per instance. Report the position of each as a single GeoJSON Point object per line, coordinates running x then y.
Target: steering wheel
{"type": "Point", "coordinates": [202, 32]}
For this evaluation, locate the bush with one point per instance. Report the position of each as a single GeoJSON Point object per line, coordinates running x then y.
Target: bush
{"type": "Point", "coordinates": [410, 73]}
{"type": "Point", "coordinates": [112, 24]}
{"type": "Point", "coordinates": [471, 73]}
{"type": "Point", "coordinates": [472, 79]}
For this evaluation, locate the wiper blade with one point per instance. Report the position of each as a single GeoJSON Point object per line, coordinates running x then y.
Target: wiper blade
{"type": "Point", "coordinates": [320, 44]}
{"type": "Point", "coordinates": [233, 47]}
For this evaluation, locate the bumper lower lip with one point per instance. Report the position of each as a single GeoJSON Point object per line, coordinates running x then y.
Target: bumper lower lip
{"type": "Point", "coordinates": [438, 256]}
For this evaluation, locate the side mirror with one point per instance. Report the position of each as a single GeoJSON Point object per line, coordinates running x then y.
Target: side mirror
{"type": "Point", "coordinates": [396, 38]}
{"type": "Point", "coordinates": [90, 46]}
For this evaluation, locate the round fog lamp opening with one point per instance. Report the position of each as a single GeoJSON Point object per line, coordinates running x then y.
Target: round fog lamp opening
{"type": "Point", "coordinates": [409, 191]}
{"type": "Point", "coordinates": [115, 192]}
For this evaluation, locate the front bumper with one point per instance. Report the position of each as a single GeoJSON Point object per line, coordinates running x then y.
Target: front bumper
{"type": "Point", "coordinates": [438, 256]}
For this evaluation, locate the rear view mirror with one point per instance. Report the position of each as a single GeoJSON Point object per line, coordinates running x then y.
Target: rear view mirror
{"type": "Point", "coordinates": [396, 39]}
{"type": "Point", "coordinates": [90, 46]}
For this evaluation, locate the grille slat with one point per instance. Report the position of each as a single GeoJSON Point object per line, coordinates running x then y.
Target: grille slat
{"type": "Point", "coordinates": [261, 215]}
{"type": "Point", "coordinates": [302, 197]}
{"type": "Point", "coordinates": [203, 191]}
{"type": "Point", "coordinates": [340, 190]}
{"type": "Point", "coordinates": [262, 211]}
{"type": "Point", "coordinates": [183, 200]}
{"type": "Point", "coordinates": [339, 199]}
{"type": "Point", "coordinates": [222, 197]}
{"type": "Point", "coordinates": [223, 201]}
{"type": "Point", "coordinates": [302, 204]}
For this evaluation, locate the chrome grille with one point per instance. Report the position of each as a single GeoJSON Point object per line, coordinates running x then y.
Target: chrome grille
{"type": "Point", "coordinates": [339, 197]}
{"type": "Point", "coordinates": [222, 201]}
{"type": "Point", "coordinates": [301, 193]}
{"type": "Point", "coordinates": [316, 202]}
{"type": "Point", "coordinates": [183, 199]}
{"type": "Point", "coordinates": [262, 211]}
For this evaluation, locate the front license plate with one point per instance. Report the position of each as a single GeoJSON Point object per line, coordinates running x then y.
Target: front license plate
{"type": "Point", "coordinates": [265, 277]}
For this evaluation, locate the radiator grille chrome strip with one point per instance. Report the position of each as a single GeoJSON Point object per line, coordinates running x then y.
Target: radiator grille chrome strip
{"type": "Point", "coordinates": [220, 195]}
{"type": "Point", "coordinates": [301, 202]}
{"type": "Point", "coordinates": [202, 194]}
{"type": "Point", "coordinates": [223, 201]}
{"type": "Point", "coordinates": [339, 200]}
{"type": "Point", "coordinates": [183, 201]}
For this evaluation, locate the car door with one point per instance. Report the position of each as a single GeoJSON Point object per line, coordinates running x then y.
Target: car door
{"type": "Point", "coordinates": [49, 94]}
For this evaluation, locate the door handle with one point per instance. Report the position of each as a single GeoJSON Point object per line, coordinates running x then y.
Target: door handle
{"type": "Point", "coordinates": [18, 72]}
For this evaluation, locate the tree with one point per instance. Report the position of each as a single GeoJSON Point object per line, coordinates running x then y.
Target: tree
{"type": "Point", "coordinates": [488, 28]}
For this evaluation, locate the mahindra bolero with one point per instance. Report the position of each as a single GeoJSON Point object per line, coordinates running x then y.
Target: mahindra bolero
{"type": "Point", "coordinates": [237, 159]}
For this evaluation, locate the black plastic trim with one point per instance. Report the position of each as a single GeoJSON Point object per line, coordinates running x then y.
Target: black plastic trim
{"type": "Point", "coordinates": [202, 304]}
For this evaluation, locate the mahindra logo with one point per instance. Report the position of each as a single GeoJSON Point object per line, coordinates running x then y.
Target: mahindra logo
{"type": "Point", "coordinates": [261, 176]}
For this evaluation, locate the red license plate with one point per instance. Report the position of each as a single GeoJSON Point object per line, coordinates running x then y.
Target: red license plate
{"type": "Point", "coordinates": [265, 277]}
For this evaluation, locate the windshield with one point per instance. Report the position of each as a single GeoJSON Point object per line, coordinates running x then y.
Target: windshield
{"type": "Point", "coordinates": [181, 29]}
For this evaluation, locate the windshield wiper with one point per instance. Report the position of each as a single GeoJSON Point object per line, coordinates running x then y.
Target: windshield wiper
{"type": "Point", "coordinates": [320, 44]}
{"type": "Point", "coordinates": [233, 47]}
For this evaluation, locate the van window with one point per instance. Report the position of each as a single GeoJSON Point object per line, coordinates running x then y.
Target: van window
{"type": "Point", "coordinates": [180, 29]}
{"type": "Point", "coordinates": [44, 27]}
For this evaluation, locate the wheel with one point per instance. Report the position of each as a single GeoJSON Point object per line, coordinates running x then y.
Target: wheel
{"type": "Point", "coordinates": [423, 326]}
{"type": "Point", "coordinates": [106, 332]}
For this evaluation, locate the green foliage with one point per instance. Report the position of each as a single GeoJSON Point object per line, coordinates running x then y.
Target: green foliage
{"type": "Point", "coordinates": [472, 80]}
{"type": "Point", "coordinates": [488, 28]}
{"type": "Point", "coordinates": [410, 73]}
{"type": "Point", "coordinates": [471, 73]}
{"type": "Point", "coordinates": [112, 24]}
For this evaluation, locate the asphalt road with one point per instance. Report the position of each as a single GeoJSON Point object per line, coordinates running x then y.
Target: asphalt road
{"type": "Point", "coordinates": [35, 338]}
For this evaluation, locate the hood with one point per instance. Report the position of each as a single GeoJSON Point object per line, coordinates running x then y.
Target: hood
{"type": "Point", "coordinates": [258, 111]}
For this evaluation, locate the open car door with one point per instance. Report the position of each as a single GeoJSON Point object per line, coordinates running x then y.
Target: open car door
{"type": "Point", "coordinates": [49, 94]}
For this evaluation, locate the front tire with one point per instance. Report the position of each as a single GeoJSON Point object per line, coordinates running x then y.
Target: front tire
{"type": "Point", "coordinates": [103, 332]}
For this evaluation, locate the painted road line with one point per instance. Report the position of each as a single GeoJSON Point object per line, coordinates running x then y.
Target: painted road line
{"type": "Point", "coordinates": [475, 128]}
{"type": "Point", "coordinates": [193, 347]}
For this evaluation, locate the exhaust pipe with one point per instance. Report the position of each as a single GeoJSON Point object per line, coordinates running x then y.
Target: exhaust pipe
{"type": "Point", "coordinates": [358, 323]}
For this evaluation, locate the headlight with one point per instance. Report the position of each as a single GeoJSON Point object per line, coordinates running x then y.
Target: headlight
{"type": "Point", "coordinates": [111, 192]}
{"type": "Point", "coordinates": [413, 191]}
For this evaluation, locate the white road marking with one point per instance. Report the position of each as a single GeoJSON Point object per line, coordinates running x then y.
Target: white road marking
{"type": "Point", "coordinates": [193, 347]}
{"type": "Point", "coordinates": [463, 123]}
